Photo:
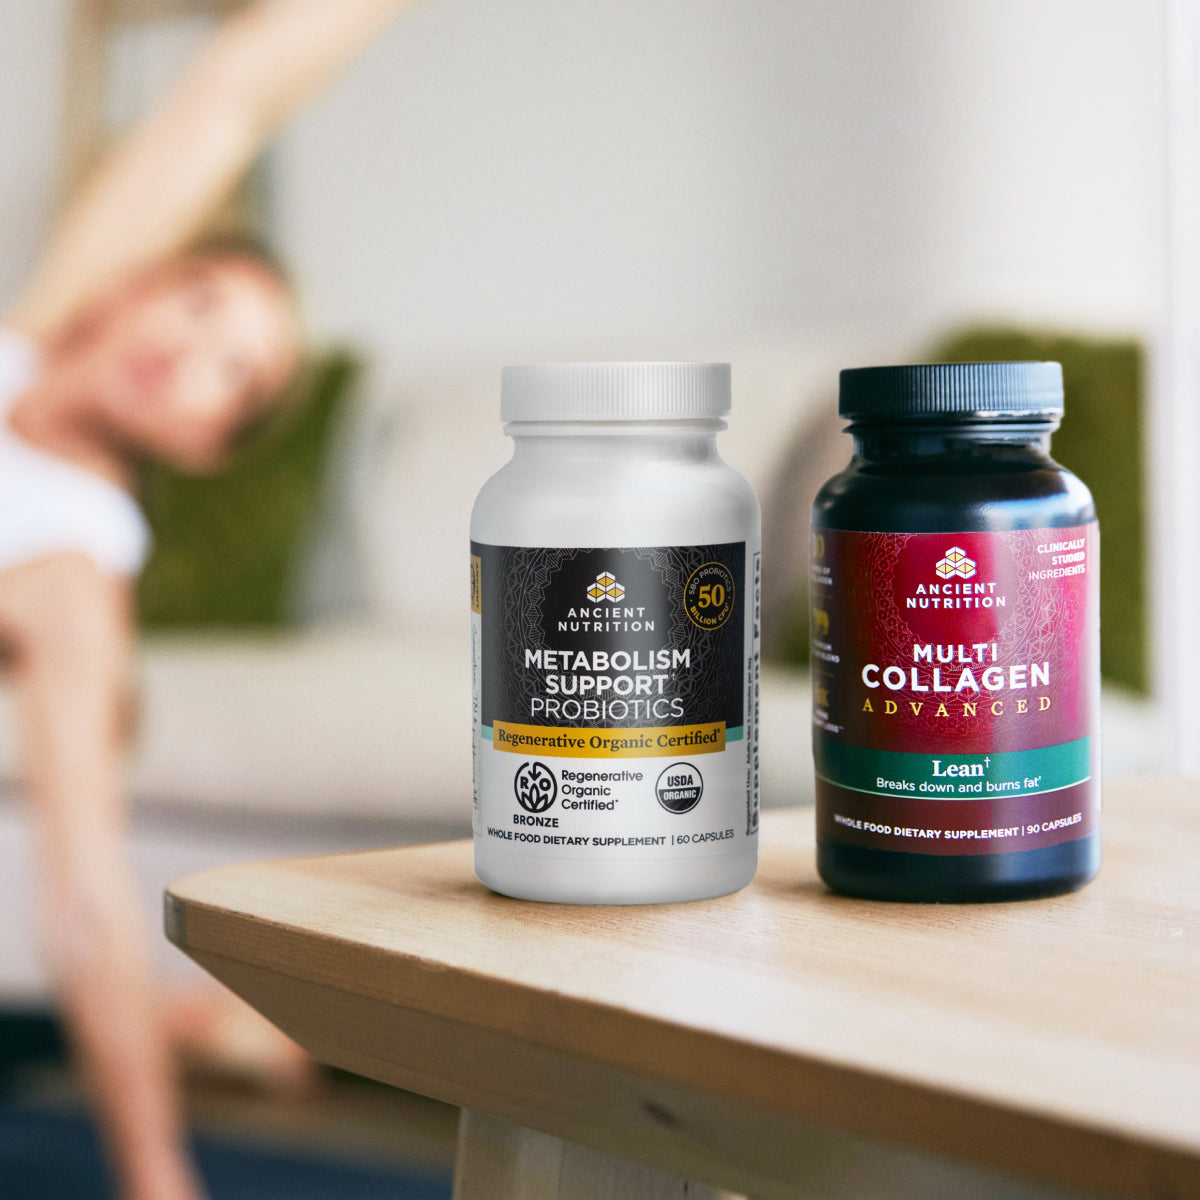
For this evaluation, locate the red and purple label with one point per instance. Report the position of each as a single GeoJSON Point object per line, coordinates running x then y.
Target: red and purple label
{"type": "Point", "coordinates": [956, 688]}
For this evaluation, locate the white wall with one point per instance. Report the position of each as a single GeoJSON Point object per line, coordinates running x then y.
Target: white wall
{"type": "Point", "coordinates": [664, 177]}
{"type": "Point", "coordinates": [661, 176]}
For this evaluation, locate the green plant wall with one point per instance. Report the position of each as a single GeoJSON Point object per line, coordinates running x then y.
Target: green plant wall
{"type": "Point", "coordinates": [226, 546]}
{"type": "Point", "coordinates": [1102, 440]}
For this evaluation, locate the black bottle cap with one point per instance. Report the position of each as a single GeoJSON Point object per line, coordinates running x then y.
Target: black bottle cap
{"type": "Point", "coordinates": [1005, 389]}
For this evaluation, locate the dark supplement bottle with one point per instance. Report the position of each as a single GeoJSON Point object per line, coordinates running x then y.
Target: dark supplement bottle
{"type": "Point", "coordinates": [955, 642]}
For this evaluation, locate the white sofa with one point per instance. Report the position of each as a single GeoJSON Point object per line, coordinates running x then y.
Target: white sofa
{"type": "Point", "coordinates": [354, 729]}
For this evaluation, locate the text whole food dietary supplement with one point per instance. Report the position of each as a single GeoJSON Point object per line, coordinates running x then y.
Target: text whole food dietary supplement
{"type": "Point", "coordinates": [955, 641]}
{"type": "Point", "coordinates": [614, 595]}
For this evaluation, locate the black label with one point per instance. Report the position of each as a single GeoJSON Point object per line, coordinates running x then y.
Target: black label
{"type": "Point", "coordinates": [612, 638]}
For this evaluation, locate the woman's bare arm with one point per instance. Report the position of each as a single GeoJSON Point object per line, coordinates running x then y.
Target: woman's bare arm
{"type": "Point", "coordinates": [69, 627]}
{"type": "Point", "coordinates": [159, 186]}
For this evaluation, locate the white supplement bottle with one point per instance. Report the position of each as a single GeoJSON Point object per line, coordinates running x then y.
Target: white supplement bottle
{"type": "Point", "coordinates": [614, 592]}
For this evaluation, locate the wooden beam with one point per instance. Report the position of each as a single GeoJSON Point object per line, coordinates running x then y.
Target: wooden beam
{"type": "Point", "coordinates": [128, 12]}
{"type": "Point", "coordinates": [83, 103]}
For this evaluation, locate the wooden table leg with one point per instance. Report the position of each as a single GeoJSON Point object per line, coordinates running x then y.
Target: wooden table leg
{"type": "Point", "coordinates": [498, 1160]}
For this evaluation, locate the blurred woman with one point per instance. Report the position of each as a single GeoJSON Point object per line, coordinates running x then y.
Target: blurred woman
{"type": "Point", "coordinates": [127, 345]}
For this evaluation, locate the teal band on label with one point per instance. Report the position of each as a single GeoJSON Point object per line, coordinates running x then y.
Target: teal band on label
{"type": "Point", "coordinates": [943, 775]}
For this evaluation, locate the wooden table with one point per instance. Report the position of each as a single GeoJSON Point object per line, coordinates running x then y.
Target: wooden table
{"type": "Point", "coordinates": [781, 1042]}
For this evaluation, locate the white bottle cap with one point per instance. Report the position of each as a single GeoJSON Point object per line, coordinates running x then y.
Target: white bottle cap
{"type": "Point", "coordinates": [615, 391]}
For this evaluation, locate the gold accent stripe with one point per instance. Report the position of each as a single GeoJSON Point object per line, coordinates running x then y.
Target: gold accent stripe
{"type": "Point", "coordinates": [656, 741]}
{"type": "Point", "coordinates": [476, 584]}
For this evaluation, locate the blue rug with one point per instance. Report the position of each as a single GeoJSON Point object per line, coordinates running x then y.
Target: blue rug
{"type": "Point", "coordinates": [51, 1156]}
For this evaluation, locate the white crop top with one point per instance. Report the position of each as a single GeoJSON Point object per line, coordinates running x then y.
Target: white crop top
{"type": "Point", "coordinates": [50, 506]}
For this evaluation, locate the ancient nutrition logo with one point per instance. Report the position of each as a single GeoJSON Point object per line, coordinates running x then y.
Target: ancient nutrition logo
{"type": "Point", "coordinates": [955, 563]}
{"type": "Point", "coordinates": [953, 566]}
{"type": "Point", "coordinates": [606, 588]}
